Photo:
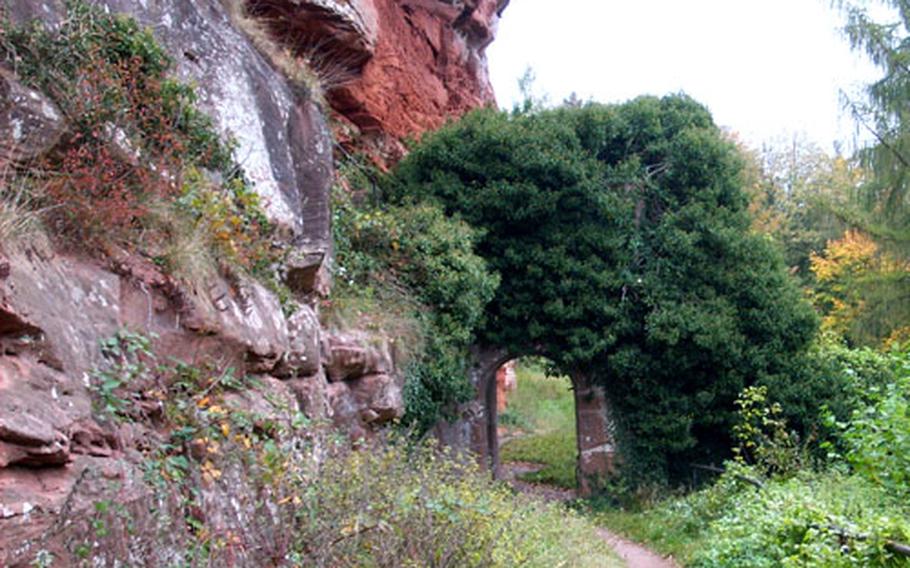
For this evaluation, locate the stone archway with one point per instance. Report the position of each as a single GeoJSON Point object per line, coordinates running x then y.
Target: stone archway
{"type": "Point", "coordinates": [478, 423]}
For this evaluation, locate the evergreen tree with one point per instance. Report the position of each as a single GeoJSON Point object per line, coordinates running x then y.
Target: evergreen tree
{"type": "Point", "coordinates": [886, 115]}
{"type": "Point", "coordinates": [622, 237]}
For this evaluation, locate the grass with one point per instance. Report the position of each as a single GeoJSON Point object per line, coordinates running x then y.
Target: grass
{"type": "Point", "coordinates": [314, 69]}
{"type": "Point", "coordinates": [19, 218]}
{"type": "Point", "coordinates": [541, 413]}
{"type": "Point", "coordinates": [675, 526]}
{"type": "Point", "coordinates": [437, 510]}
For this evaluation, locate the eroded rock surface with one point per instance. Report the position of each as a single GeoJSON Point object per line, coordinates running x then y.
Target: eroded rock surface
{"type": "Point", "coordinates": [283, 144]}
{"type": "Point", "coordinates": [30, 123]}
{"type": "Point", "coordinates": [59, 457]}
{"type": "Point", "coordinates": [391, 69]}
{"type": "Point", "coordinates": [429, 65]}
{"type": "Point", "coordinates": [400, 68]}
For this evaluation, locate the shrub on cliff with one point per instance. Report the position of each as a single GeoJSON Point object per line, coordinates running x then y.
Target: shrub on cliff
{"type": "Point", "coordinates": [623, 240]}
{"type": "Point", "coordinates": [140, 164]}
{"type": "Point", "coordinates": [419, 265]}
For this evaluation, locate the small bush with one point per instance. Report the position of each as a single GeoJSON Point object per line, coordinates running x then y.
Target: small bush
{"type": "Point", "coordinates": [763, 436]}
{"type": "Point", "coordinates": [878, 434]}
{"type": "Point", "coordinates": [405, 506]}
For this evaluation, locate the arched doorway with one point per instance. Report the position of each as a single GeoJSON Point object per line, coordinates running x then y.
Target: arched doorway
{"type": "Point", "coordinates": [595, 430]}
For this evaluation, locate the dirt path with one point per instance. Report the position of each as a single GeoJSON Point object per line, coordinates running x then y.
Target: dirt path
{"type": "Point", "coordinates": [634, 555]}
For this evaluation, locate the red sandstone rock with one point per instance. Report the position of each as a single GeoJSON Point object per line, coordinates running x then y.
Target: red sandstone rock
{"type": "Point", "coordinates": [392, 69]}
{"type": "Point", "coordinates": [428, 66]}
{"type": "Point", "coordinates": [379, 397]}
{"type": "Point", "coordinates": [351, 355]}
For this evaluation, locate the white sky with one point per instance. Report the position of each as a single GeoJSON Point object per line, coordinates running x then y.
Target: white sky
{"type": "Point", "coordinates": [767, 69]}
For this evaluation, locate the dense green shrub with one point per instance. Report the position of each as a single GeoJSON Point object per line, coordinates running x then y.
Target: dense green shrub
{"type": "Point", "coordinates": [799, 523]}
{"type": "Point", "coordinates": [810, 520]}
{"type": "Point", "coordinates": [843, 513]}
{"type": "Point", "coordinates": [825, 388]}
{"type": "Point", "coordinates": [426, 260]}
{"type": "Point", "coordinates": [623, 239]}
{"type": "Point", "coordinates": [878, 433]}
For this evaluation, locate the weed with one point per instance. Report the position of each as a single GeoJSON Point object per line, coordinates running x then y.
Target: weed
{"type": "Point", "coordinates": [129, 361]}
{"type": "Point", "coordinates": [301, 75]}
{"type": "Point", "coordinates": [20, 219]}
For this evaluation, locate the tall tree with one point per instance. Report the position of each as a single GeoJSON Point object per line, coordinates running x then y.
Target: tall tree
{"type": "Point", "coordinates": [623, 238]}
{"type": "Point", "coordinates": [885, 113]}
{"type": "Point", "coordinates": [796, 190]}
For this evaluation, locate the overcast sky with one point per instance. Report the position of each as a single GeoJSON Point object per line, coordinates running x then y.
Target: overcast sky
{"type": "Point", "coordinates": [766, 68]}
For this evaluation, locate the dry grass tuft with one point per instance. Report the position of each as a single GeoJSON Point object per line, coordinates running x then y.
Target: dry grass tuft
{"type": "Point", "coordinates": [20, 217]}
{"type": "Point", "coordinates": [311, 65]}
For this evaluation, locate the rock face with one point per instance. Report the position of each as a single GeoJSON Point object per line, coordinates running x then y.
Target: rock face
{"type": "Point", "coordinates": [283, 143]}
{"type": "Point", "coordinates": [400, 67]}
{"type": "Point", "coordinates": [30, 124]}
{"type": "Point", "coordinates": [428, 66]}
{"type": "Point", "coordinates": [392, 68]}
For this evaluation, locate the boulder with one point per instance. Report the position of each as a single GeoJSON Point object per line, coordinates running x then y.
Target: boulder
{"type": "Point", "coordinates": [378, 397]}
{"type": "Point", "coordinates": [352, 355]}
{"type": "Point", "coordinates": [30, 123]}
{"type": "Point", "coordinates": [312, 395]}
{"type": "Point", "coordinates": [63, 304]}
{"type": "Point", "coordinates": [39, 410]}
{"type": "Point", "coordinates": [304, 356]}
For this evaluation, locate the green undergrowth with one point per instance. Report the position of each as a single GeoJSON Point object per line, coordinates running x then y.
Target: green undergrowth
{"type": "Point", "coordinates": [541, 417]}
{"type": "Point", "coordinates": [800, 521]}
{"type": "Point", "coordinates": [390, 502]}
{"type": "Point", "coordinates": [788, 507]}
{"type": "Point", "coordinates": [140, 167]}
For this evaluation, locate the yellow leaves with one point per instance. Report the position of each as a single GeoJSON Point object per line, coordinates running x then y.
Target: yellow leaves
{"type": "Point", "coordinates": [210, 473]}
{"type": "Point", "coordinates": [293, 499]}
{"type": "Point", "coordinates": [851, 255]}
{"type": "Point", "coordinates": [843, 275]}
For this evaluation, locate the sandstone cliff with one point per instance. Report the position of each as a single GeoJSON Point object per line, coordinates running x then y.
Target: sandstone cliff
{"type": "Point", "coordinates": [392, 69]}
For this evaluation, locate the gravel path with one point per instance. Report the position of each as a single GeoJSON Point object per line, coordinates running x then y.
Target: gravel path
{"type": "Point", "coordinates": [634, 555]}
